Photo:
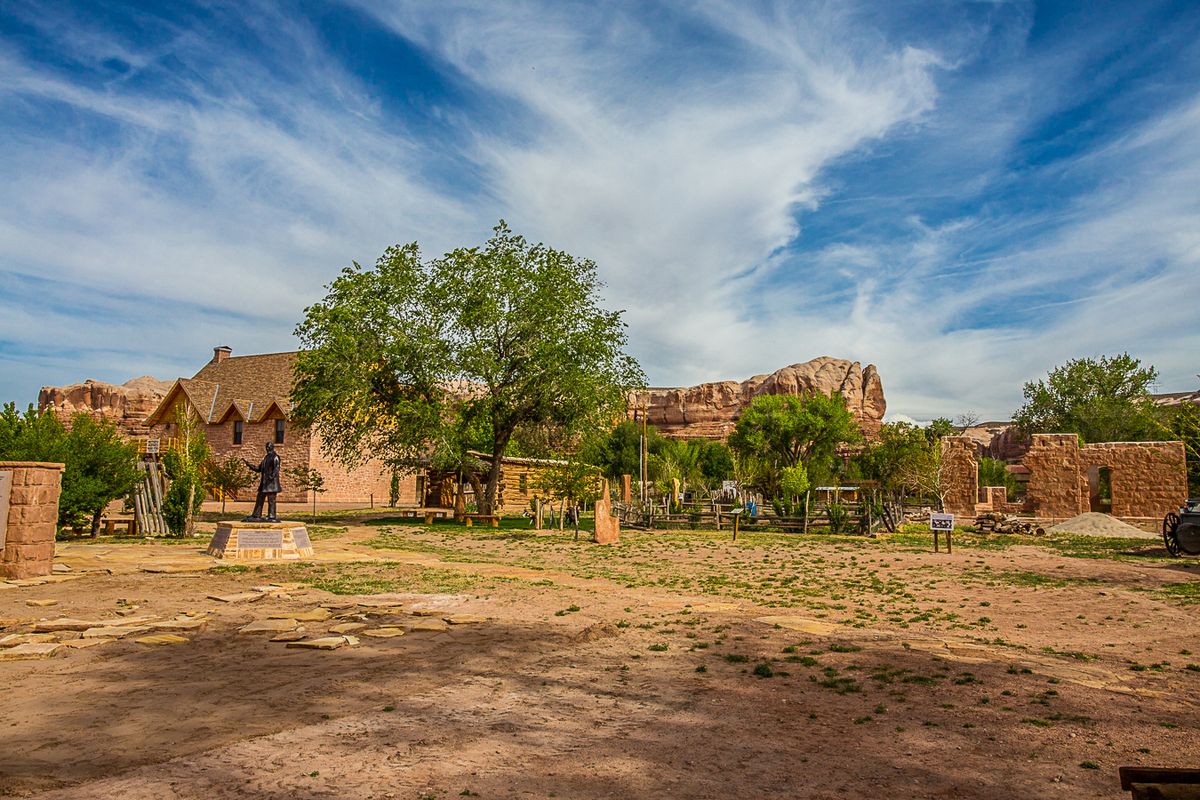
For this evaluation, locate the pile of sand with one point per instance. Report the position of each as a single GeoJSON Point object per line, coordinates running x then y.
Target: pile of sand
{"type": "Point", "coordinates": [1095, 524]}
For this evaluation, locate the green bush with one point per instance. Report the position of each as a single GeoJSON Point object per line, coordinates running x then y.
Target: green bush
{"type": "Point", "coordinates": [175, 503]}
{"type": "Point", "coordinates": [839, 517]}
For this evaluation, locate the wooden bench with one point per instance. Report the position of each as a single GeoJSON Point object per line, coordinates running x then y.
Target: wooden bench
{"type": "Point", "coordinates": [491, 519]}
{"type": "Point", "coordinates": [110, 524]}
{"type": "Point", "coordinates": [428, 514]}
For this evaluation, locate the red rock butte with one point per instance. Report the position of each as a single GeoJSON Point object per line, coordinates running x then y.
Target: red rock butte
{"type": "Point", "coordinates": [128, 404]}
{"type": "Point", "coordinates": [710, 410]}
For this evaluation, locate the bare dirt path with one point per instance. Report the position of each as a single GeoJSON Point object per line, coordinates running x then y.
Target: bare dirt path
{"type": "Point", "coordinates": [680, 666]}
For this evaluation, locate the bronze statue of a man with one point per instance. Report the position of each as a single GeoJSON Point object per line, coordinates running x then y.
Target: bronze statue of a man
{"type": "Point", "coordinates": [268, 486]}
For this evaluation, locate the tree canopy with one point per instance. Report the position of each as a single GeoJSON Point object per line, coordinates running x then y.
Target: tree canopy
{"type": "Point", "coordinates": [776, 432]}
{"type": "Point", "coordinates": [1105, 399]}
{"type": "Point", "coordinates": [100, 465]}
{"type": "Point", "coordinates": [413, 359]}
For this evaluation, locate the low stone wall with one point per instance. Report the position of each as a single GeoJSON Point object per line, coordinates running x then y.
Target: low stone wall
{"type": "Point", "coordinates": [30, 517]}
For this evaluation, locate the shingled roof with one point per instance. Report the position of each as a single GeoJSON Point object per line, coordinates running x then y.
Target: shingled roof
{"type": "Point", "coordinates": [242, 387]}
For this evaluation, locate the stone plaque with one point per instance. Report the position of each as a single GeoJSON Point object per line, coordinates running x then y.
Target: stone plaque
{"type": "Point", "coordinates": [5, 493]}
{"type": "Point", "coordinates": [267, 540]}
{"type": "Point", "coordinates": [300, 537]}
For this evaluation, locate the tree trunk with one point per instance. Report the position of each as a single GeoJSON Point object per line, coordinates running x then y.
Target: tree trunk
{"type": "Point", "coordinates": [96, 522]}
{"type": "Point", "coordinates": [500, 444]}
{"type": "Point", "coordinates": [189, 528]}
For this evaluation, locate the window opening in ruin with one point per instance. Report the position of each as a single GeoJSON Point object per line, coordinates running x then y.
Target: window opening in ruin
{"type": "Point", "coordinates": [278, 431]}
{"type": "Point", "coordinates": [237, 431]}
{"type": "Point", "coordinates": [1100, 489]}
{"type": "Point", "coordinates": [524, 484]}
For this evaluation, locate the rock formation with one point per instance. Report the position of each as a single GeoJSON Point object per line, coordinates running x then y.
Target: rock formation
{"type": "Point", "coordinates": [710, 410]}
{"type": "Point", "coordinates": [128, 404]}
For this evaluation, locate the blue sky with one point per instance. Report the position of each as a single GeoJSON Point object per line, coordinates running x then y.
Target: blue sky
{"type": "Point", "coordinates": [965, 194]}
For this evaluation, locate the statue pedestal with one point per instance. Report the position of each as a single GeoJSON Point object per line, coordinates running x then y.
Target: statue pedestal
{"type": "Point", "coordinates": [260, 541]}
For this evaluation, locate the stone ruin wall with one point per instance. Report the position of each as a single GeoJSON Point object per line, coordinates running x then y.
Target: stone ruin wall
{"type": "Point", "coordinates": [1148, 479]}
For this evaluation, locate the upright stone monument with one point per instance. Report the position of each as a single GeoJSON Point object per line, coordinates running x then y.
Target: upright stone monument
{"type": "Point", "coordinates": [29, 493]}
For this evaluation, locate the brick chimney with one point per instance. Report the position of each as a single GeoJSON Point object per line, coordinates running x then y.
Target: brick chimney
{"type": "Point", "coordinates": [221, 353]}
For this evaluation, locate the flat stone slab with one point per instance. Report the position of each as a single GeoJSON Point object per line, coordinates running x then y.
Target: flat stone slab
{"type": "Point", "coordinates": [434, 625]}
{"type": "Point", "coordinates": [325, 643]}
{"type": "Point", "coordinates": [65, 624]}
{"type": "Point", "coordinates": [465, 619]}
{"type": "Point", "coordinates": [348, 627]}
{"type": "Point", "coordinates": [383, 633]}
{"type": "Point", "coordinates": [41, 603]}
{"type": "Point", "coordinates": [32, 650]}
{"type": "Point", "coordinates": [162, 638]}
{"type": "Point", "coordinates": [240, 597]}
{"type": "Point", "coordinates": [315, 615]}
{"type": "Point", "coordinates": [289, 636]}
{"type": "Point", "coordinates": [115, 631]}
{"type": "Point", "coordinates": [269, 626]}
{"type": "Point", "coordinates": [179, 624]}
{"type": "Point", "coordinates": [14, 639]}
{"type": "Point", "coordinates": [79, 644]}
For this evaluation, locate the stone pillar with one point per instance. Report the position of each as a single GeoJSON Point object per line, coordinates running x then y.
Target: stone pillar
{"type": "Point", "coordinates": [28, 517]}
{"type": "Point", "coordinates": [608, 527]}
{"type": "Point", "coordinates": [960, 477]}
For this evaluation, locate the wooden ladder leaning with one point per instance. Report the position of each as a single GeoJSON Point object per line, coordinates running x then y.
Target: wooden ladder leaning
{"type": "Point", "coordinates": [148, 499]}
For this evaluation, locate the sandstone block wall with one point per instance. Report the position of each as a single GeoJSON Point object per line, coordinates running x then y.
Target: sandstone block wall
{"type": "Point", "coordinates": [1055, 472]}
{"type": "Point", "coordinates": [1149, 479]}
{"type": "Point", "coordinates": [959, 476]}
{"type": "Point", "coordinates": [32, 518]}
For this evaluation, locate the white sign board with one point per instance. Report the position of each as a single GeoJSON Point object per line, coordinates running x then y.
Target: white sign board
{"type": "Point", "coordinates": [941, 522]}
{"type": "Point", "coordinates": [728, 486]}
{"type": "Point", "coordinates": [152, 446]}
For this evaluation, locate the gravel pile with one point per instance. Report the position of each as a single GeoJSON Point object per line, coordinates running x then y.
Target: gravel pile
{"type": "Point", "coordinates": [1096, 524]}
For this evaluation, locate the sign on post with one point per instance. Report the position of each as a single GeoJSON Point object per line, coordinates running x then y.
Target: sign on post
{"type": "Point", "coordinates": [941, 523]}
{"type": "Point", "coordinates": [152, 446]}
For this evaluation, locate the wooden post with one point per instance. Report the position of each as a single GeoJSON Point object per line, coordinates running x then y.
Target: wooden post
{"type": "Point", "coordinates": [935, 540]}
{"type": "Point", "coordinates": [806, 494]}
{"type": "Point", "coordinates": [736, 517]}
{"type": "Point", "coordinates": [948, 550]}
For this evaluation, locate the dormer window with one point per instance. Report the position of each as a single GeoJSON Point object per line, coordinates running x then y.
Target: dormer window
{"type": "Point", "coordinates": [278, 431]}
{"type": "Point", "coordinates": [238, 427]}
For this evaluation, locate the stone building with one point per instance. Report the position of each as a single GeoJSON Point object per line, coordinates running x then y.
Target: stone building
{"type": "Point", "coordinates": [1143, 481]}
{"type": "Point", "coordinates": [243, 403]}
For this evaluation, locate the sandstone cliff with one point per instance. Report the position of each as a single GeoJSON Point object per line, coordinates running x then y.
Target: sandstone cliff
{"type": "Point", "coordinates": [709, 411]}
{"type": "Point", "coordinates": [128, 404]}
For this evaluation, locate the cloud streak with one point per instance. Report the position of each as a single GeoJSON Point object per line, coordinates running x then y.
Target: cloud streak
{"type": "Point", "coordinates": [965, 203]}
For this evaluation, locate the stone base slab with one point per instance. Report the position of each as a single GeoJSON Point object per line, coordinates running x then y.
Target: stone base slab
{"type": "Point", "coordinates": [260, 541]}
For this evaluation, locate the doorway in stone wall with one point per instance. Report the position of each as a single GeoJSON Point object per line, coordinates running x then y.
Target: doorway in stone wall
{"type": "Point", "coordinates": [1100, 489]}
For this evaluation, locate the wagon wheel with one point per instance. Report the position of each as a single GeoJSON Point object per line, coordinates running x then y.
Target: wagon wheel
{"type": "Point", "coordinates": [1170, 522]}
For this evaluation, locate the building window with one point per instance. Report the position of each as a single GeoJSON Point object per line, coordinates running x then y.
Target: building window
{"type": "Point", "coordinates": [278, 431]}
{"type": "Point", "coordinates": [237, 431]}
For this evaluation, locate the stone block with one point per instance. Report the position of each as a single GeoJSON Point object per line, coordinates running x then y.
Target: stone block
{"type": "Point", "coordinates": [15, 553]}
{"type": "Point", "coordinates": [31, 534]}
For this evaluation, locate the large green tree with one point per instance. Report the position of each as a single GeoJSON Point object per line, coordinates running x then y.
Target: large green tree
{"type": "Point", "coordinates": [891, 459]}
{"type": "Point", "coordinates": [100, 465]}
{"type": "Point", "coordinates": [399, 360]}
{"type": "Point", "coordinates": [775, 432]}
{"type": "Point", "coordinates": [1105, 399]}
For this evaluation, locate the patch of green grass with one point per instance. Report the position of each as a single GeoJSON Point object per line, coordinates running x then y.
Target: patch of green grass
{"type": "Point", "coordinates": [659, 647]}
{"type": "Point", "coordinates": [763, 670]}
{"type": "Point", "coordinates": [1187, 593]}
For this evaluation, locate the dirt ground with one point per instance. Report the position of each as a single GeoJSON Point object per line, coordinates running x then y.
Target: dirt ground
{"type": "Point", "coordinates": [669, 665]}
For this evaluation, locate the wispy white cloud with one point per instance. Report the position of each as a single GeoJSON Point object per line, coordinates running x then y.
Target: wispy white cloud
{"type": "Point", "coordinates": [695, 151]}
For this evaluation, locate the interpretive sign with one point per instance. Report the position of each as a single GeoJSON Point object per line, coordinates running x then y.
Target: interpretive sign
{"type": "Point", "coordinates": [153, 446]}
{"type": "Point", "coordinates": [300, 537]}
{"type": "Point", "coordinates": [941, 522]}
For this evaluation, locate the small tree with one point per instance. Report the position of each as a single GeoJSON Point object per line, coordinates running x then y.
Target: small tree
{"type": "Point", "coordinates": [228, 477]}
{"type": "Point", "coordinates": [308, 480]}
{"type": "Point", "coordinates": [101, 466]}
{"type": "Point", "coordinates": [184, 465]}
